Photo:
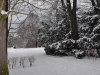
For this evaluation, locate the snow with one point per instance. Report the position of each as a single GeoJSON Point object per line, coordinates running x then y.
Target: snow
{"type": "Point", "coordinates": [53, 65]}
{"type": "Point", "coordinates": [3, 12]}
{"type": "Point", "coordinates": [57, 44]}
{"type": "Point", "coordinates": [95, 16]}
{"type": "Point", "coordinates": [96, 28]}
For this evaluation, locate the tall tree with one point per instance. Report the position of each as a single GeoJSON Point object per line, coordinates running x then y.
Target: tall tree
{"type": "Point", "coordinates": [72, 15]}
{"type": "Point", "coordinates": [3, 39]}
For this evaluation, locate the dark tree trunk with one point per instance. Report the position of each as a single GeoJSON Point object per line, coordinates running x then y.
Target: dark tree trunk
{"type": "Point", "coordinates": [72, 14]}
{"type": "Point", "coordinates": [7, 32]}
{"type": "Point", "coordinates": [62, 1]}
{"type": "Point", "coordinates": [93, 3]}
{"type": "Point", "coordinates": [97, 3]}
{"type": "Point", "coordinates": [36, 41]}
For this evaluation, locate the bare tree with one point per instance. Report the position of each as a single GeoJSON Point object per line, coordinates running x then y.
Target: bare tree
{"type": "Point", "coordinates": [28, 30]}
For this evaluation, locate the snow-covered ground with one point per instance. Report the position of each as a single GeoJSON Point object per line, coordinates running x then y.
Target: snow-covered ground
{"type": "Point", "coordinates": [52, 65]}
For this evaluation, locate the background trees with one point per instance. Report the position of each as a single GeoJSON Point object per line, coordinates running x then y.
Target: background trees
{"type": "Point", "coordinates": [11, 6]}
{"type": "Point", "coordinates": [60, 23]}
{"type": "Point", "coordinates": [28, 31]}
{"type": "Point", "coordinates": [54, 31]}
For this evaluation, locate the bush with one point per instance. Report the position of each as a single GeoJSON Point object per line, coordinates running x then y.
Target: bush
{"type": "Point", "coordinates": [79, 54]}
{"type": "Point", "coordinates": [63, 48]}
{"type": "Point", "coordinates": [49, 51]}
{"type": "Point", "coordinates": [14, 47]}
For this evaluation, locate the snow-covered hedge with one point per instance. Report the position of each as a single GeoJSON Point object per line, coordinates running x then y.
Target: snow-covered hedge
{"type": "Point", "coordinates": [62, 48]}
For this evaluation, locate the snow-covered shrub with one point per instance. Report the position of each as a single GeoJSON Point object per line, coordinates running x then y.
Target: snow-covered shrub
{"type": "Point", "coordinates": [49, 51]}
{"type": "Point", "coordinates": [96, 30]}
{"type": "Point", "coordinates": [62, 48]}
{"type": "Point", "coordinates": [99, 53]}
{"type": "Point", "coordinates": [79, 54]}
{"type": "Point", "coordinates": [55, 31]}
{"type": "Point", "coordinates": [59, 37]}
{"type": "Point", "coordinates": [84, 43]}
{"type": "Point", "coordinates": [89, 30]}
{"type": "Point", "coordinates": [60, 53]}
{"type": "Point", "coordinates": [14, 47]}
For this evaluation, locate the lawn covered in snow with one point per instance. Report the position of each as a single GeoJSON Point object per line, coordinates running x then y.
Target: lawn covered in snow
{"type": "Point", "coordinates": [51, 65]}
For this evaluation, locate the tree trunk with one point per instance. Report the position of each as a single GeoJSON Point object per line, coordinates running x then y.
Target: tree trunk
{"type": "Point", "coordinates": [3, 39]}
{"type": "Point", "coordinates": [72, 14]}
{"type": "Point", "coordinates": [93, 3]}
{"type": "Point", "coordinates": [3, 54]}
{"type": "Point", "coordinates": [62, 1]}
{"type": "Point", "coordinates": [97, 2]}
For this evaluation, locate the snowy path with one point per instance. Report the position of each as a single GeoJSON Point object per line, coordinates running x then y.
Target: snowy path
{"type": "Point", "coordinates": [53, 65]}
